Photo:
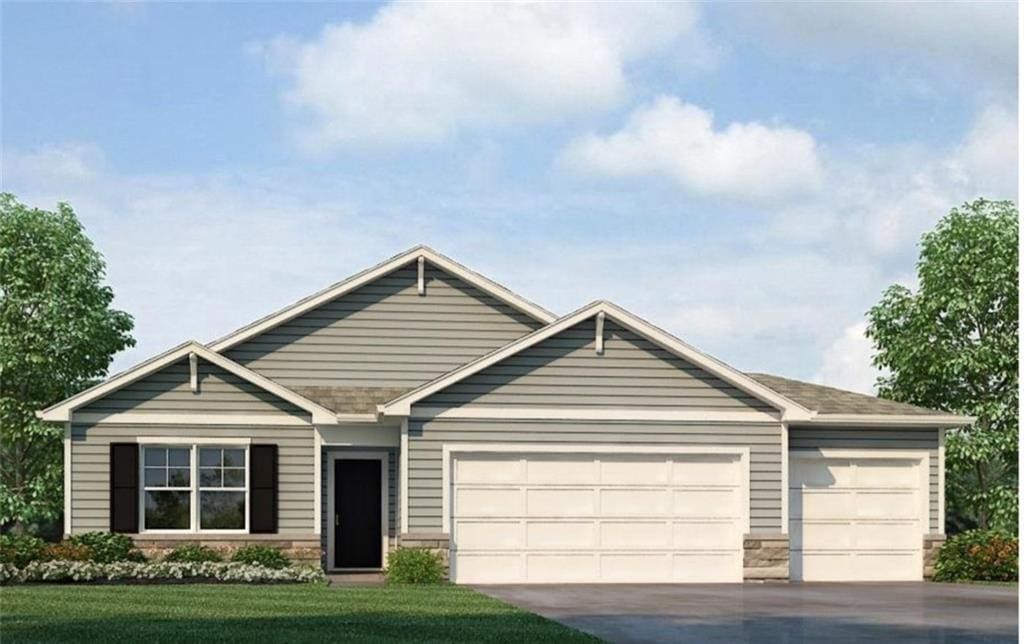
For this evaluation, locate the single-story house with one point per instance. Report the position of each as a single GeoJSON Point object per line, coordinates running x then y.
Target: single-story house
{"type": "Point", "coordinates": [421, 404]}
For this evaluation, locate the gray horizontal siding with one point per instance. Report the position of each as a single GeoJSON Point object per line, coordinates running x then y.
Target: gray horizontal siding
{"type": "Point", "coordinates": [90, 468]}
{"type": "Point", "coordinates": [881, 439]}
{"type": "Point", "coordinates": [169, 391]}
{"type": "Point", "coordinates": [393, 510]}
{"type": "Point", "coordinates": [386, 335]}
{"type": "Point", "coordinates": [426, 440]}
{"type": "Point", "coordinates": [565, 370]}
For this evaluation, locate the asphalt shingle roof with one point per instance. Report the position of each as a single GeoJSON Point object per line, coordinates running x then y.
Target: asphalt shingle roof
{"type": "Point", "coordinates": [829, 400]}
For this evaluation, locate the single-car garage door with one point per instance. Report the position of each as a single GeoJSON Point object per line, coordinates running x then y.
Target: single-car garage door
{"type": "Point", "coordinates": [597, 517]}
{"type": "Point", "coordinates": [857, 517]}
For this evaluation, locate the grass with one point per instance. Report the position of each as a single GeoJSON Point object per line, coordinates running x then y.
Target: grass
{"type": "Point", "coordinates": [271, 613]}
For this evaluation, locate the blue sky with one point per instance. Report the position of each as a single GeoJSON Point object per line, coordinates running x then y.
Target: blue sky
{"type": "Point", "coordinates": [749, 177]}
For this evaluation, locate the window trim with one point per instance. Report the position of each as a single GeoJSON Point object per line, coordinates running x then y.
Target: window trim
{"type": "Point", "coordinates": [193, 445]}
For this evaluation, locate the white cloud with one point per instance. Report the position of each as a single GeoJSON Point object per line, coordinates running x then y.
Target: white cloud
{"type": "Point", "coordinates": [69, 162]}
{"type": "Point", "coordinates": [986, 161]}
{"type": "Point", "coordinates": [879, 200]}
{"type": "Point", "coordinates": [971, 40]}
{"type": "Point", "coordinates": [678, 141]}
{"type": "Point", "coordinates": [846, 363]}
{"type": "Point", "coordinates": [419, 72]}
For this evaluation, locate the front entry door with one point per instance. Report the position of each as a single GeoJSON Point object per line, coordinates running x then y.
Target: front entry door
{"type": "Point", "coordinates": [357, 514]}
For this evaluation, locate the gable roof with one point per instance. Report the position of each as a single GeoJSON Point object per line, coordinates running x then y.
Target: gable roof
{"type": "Point", "coordinates": [401, 406]}
{"type": "Point", "coordinates": [829, 401]}
{"type": "Point", "coordinates": [61, 412]}
{"type": "Point", "coordinates": [369, 275]}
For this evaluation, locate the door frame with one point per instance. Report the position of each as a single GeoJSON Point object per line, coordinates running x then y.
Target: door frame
{"type": "Point", "coordinates": [332, 459]}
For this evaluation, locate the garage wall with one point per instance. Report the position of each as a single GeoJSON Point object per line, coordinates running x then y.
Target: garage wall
{"type": "Point", "coordinates": [565, 370]}
{"type": "Point", "coordinates": [90, 467]}
{"type": "Point", "coordinates": [426, 438]}
{"type": "Point", "coordinates": [882, 439]}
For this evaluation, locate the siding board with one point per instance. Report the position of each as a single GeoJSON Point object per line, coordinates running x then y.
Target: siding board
{"type": "Point", "coordinates": [385, 334]}
{"type": "Point", "coordinates": [169, 391]}
{"type": "Point", "coordinates": [566, 371]}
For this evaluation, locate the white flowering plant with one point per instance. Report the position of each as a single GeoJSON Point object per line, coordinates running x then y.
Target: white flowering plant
{"type": "Point", "coordinates": [72, 571]}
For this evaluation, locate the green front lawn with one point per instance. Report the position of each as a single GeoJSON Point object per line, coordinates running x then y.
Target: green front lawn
{"type": "Point", "coordinates": [251, 614]}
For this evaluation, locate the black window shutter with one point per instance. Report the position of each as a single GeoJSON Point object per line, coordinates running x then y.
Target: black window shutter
{"type": "Point", "coordinates": [263, 488]}
{"type": "Point", "coordinates": [124, 487]}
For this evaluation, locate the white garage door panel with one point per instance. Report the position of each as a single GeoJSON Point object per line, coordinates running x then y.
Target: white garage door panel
{"type": "Point", "coordinates": [593, 517]}
{"type": "Point", "coordinates": [546, 535]}
{"type": "Point", "coordinates": [857, 519]}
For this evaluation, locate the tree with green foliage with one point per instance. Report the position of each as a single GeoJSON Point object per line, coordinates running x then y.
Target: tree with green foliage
{"type": "Point", "coordinates": [58, 334]}
{"type": "Point", "coordinates": [952, 345]}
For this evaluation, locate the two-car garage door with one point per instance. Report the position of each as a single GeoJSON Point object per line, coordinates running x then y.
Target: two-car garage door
{"type": "Point", "coordinates": [597, 517]}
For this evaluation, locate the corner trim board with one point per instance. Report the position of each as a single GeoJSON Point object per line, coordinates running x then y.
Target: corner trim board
{"type": "Point", "coordinates": [318, 442]}
{"type": "Point", "coordinates": [784, 444]}
{"type": "Point", "coordinates": [942, 481]}
{"type": "Point", "coordinates": [403, 477]}
{"type": "Point", "coordinates": [67, 478]}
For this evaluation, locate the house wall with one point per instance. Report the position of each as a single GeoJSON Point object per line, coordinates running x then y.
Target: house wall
{"type": "Point", "coordinates": [90, 467]}
{"type": "Point", "coordinates": [881, 438]}
{"type": "Point", "coordinates": [426, 438]}
{"type": "Point", "coordinates": [169, 391]}
{"type": "Point", "coordinates": [565, 370]}
{"type": "Point", "coordinates": [386, 335]}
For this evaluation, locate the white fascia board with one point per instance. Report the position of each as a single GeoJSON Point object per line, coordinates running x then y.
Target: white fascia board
{"type": "Point", "coordinates": [371, 274]}
{"type": "Point", "coordinates": [62, 411]}
{"type": "Point", "coordinates": [186, 418]}
{"type": "Point", "coordinates": [402, 405]}
{"type": "Point", "coordinates": [882, 420]}
{"type": "Point", "coordinates": [559, 413]}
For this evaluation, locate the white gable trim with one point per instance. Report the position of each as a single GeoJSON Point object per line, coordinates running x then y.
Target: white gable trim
{"type": "Point", "coordinates": [416, 254]}
{"type": "Point", "coordinates": [402, 406]}
{"type": "Point", "coordinates": [62, 411]}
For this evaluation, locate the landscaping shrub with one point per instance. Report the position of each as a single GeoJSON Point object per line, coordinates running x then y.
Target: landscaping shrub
{"type": "Point", "coordinates": [192, 553]}
{"type": "Point", "coordinates": [20, 550]}
{"type": "Point", "coordinates": [978, 555]}
{"type": "Point", "coordinates": [70, 571]}
{"type": "Point", "coordinates": [267, 556]}
{"type": "Point", "coordinates": [415, 566]}
{"type": "Point", "coordinates": [66, 551]}
{"type": "Point", "coordinates": [109, 547]}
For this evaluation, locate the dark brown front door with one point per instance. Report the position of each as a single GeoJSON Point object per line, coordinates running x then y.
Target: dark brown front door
{"type": "Point", "coordinates": [357, 533]}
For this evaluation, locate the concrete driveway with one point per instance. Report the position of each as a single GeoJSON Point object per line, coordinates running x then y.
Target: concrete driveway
{"type": "Point", "coordinates": [907, 612]}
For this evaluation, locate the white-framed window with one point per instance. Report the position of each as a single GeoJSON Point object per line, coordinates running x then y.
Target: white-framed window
{"type": "Point", "coordinates": [194, 488]}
